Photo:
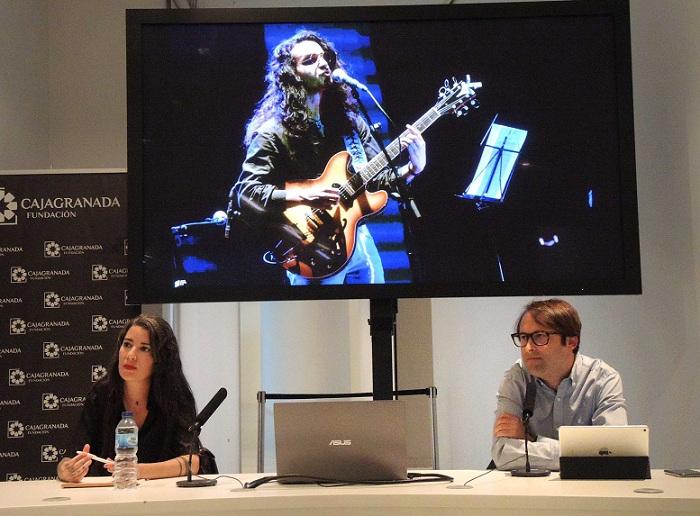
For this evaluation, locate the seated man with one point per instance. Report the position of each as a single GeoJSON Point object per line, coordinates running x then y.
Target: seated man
{"type": "Point", "coordinates": [571, 389]}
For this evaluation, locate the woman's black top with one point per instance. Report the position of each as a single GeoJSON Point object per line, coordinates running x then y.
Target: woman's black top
{"type": "Point", "coordinates": [160, 437]}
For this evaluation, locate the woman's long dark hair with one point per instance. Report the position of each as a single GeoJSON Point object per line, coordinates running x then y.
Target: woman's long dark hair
{"type": "Point", "coordinates": [285, 97]}
{"type": "Point", "coordinates": [170, 393]}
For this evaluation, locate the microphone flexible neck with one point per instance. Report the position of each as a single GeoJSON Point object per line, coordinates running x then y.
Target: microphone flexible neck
{"type": "Point", "coordinates": [526, 419]}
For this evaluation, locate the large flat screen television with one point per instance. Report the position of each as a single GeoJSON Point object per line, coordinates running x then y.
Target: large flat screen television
{"type": "Point", "coordinates": [269, 156]}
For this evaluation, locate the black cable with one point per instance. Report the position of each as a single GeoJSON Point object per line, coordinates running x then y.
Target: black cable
{"type": "Point", "coordinates": [332, 482]}
{"type": "Point", "coordinates": [491, 470]}
{"type": "Point", "coordinates": [220, 476]}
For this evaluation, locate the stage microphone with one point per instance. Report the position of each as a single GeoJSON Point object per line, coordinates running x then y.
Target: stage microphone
{"type": "Point", "coordinates": [528, 409]}
{"type": "Point", "coordinates": [208, 410]}
{"type": "Point", "coordinates": [340, 76]}
{"type": "Point", "coordinates": [229, 214]}
{"type": "Point", "coordinates": [530, 395]}
{"type": "Point", "coordinates": [194, 429]}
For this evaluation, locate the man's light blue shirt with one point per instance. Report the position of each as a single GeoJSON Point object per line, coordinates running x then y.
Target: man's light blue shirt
{"type": "Point", "coordinates": [590, 395]}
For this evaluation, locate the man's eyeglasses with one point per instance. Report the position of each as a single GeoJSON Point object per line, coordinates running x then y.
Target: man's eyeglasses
{"type": "Point", "coordinates": [539, 338]}
{"type": "Point", "coordinates": [312, 59]}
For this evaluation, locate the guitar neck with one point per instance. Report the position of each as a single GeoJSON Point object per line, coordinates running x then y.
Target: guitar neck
{"type": "Point", "coordinates": [358, 181]}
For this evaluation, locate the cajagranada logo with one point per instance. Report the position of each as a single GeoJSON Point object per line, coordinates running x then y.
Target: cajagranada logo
{"type": "Point", "coordinates": [102, 323]}
{"type": "Point", "coordinates": [99, 273]}
{"type": "Point", "coordinates": [52, 401]}
{"type": "Point", "coordinates": [17, 326]}
{"type": "Point", "coordinates": [98, 372]}
{"type": "Point", "coordinates": [65, 207]}
{"type": "Point", "coordinates": [103, 273]}
{"type": "Point", "coordinates": [10, 403]}
{"type": "Point", "coordinates": [99, 323]}
{"type": "Point", "coordinates": [16, 378]}
{"type": "Point", "coordinates": [53, 249]}
{"type": "Point", "coordinates": [8, 208]}
{"type": "Point", "coordinates": [9, 351]}
{"type": "Point", "coordinates": [49, 401]}
{"type": "Point", "coordinates": [18, 274]}
{"type": "Point", "coordinates": [10, 301]}
{"type": "Point", "coordinates": [13, 477]}
{"type": "Point", "coordinates": [49, 453]}
{"type": "Point", "coordinates": [52, 300]}
{"type": "Point", "coordinates": [51, 350]}
{"type": "Point", "coordinates": [15, 430]}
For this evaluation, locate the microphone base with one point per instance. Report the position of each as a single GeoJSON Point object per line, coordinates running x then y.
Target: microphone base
{"type": "Point", "coordinates": [534, 472]}
{"type": "Point", "coordinates": [199, 482]}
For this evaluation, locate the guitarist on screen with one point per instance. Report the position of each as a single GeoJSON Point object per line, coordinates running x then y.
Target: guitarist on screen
{"type": "Point", "coordinates": [295, 135]}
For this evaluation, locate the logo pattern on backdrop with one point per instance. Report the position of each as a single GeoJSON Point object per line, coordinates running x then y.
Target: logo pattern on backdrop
{"type": "Point", "coordinates": [62, 304]}
{"type": "Point", "coordinates": [8, 207]}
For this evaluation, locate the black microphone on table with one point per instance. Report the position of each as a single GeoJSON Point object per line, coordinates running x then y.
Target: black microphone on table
{"type": "Point", "coordinates": [341, 76]}
{"type": "Point", "coordinates": [208, 410]}
{"type": "Point", "coordinates": [194, 429]}
{"type": "Point", "coordinates": [528, 409]}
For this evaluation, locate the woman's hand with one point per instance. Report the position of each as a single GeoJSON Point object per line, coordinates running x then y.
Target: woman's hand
{"type": "Point", "coordinates": [75, 469]}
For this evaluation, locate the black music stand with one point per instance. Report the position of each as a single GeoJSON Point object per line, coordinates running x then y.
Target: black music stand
{"type": "Point", "coordinates": [495, 169]}
{"type": "Point", "coordinates": [501, 147]}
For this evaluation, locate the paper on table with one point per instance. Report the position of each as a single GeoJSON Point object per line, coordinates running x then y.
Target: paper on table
{"type": "Point", "coordinates": [104, 483]}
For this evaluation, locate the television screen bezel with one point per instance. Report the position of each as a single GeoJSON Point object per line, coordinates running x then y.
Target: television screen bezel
{"type": "Point", "coordinates": [630, 283]}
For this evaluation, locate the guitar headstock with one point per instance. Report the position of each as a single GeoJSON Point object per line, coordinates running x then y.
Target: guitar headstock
{"type": "Point", "coordinates": [458, 97]}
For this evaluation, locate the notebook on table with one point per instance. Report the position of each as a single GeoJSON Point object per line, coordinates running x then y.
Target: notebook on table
{"type": "Point", "coordinates": [350, 441]}
{"type": "Point", "coordinates": [604, 452]}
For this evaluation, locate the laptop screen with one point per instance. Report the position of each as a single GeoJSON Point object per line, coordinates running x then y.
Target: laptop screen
{"type": "Point", "coordinates": [342, 440]}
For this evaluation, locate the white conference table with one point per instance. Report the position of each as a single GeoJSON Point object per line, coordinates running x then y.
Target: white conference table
{"type": "Point", "coordinates": [496, 493]}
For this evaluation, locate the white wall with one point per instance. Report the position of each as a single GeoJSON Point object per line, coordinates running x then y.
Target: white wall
{"type": "Point", "coordinates": [24, 97]}
{"type": "Point", "coordinates": [62, 105]}
{"type": "Point", "coordinates": [208, 336]}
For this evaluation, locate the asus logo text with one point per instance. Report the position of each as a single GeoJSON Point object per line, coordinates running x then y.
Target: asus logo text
{"type": "Point", "coordinates": [340, 442]}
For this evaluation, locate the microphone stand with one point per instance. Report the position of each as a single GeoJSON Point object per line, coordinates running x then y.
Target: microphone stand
{"type": "Point", "coordinates": [199, 482]}
{"type": "Point", "coordinates": [407, 202]}
{"type": "Point", "coordinates": [528, 471]}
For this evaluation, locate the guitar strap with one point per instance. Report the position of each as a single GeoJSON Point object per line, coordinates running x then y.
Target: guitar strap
{"type": "Point", "coordinates": [353, 145]}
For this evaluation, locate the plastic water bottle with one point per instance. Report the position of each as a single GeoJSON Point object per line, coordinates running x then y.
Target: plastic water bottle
{"type": "Point", "coordinates": [126, 444]}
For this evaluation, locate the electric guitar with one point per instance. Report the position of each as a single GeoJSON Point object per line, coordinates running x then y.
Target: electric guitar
{"type": "Point", "coordinates": [320, 242]}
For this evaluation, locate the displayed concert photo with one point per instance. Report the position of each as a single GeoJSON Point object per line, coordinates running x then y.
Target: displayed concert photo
{"type": "Point", "coordinates": [413, 152]}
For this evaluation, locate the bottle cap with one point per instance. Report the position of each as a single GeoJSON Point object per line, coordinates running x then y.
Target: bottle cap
{"type": "Point", "coordinates": [127, 413]}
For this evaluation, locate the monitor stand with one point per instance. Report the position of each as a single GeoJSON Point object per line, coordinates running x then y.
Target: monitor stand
{"type": "Point", "coordinates": [382, 322]}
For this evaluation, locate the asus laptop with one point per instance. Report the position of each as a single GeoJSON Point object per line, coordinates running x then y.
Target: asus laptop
{"type": "Point", "coordinates": [351, 441]}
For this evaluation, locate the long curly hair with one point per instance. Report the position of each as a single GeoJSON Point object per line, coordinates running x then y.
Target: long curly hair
{"type": "Point", "coordinates": [285, 97]}
{"type": "Point", "coordinates": [170, 393]}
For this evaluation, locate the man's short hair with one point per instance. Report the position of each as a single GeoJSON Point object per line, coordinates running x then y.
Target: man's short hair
{"type": "Point", "coordinates": [556, 314]}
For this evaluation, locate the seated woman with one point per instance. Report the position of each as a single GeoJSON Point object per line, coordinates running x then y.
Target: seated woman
{"type": "Point", "coordinates": [145, 377]}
